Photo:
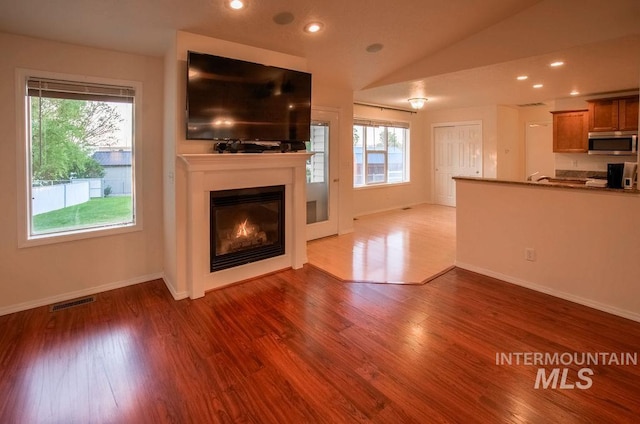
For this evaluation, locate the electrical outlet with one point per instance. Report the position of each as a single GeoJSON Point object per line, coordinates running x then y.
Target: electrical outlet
{"type": "Point", "coordinates": [530, 254]}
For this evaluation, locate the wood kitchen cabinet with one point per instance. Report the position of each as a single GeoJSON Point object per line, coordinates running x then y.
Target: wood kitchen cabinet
{"type": "Point", "coordinates": [570, 131]}
{"type": "Point", "coordinates": [614, 114]}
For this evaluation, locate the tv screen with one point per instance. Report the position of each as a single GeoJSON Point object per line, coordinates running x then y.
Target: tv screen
{"type": "Point", "coordinates": [229, 99]}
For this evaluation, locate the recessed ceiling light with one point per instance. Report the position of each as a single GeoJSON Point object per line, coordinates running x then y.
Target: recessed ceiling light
{"type": "Point", "coordinates": [522, 77]}
{"type": "Point", "coordinates": [574, 93]}
{"type": "Point", "coordinates": [374, 48]}
{"type": "Point", "coordinates": [236, 4]}
{"type": "Point", "coordinates": [556, 64]}
{"type": "Point", "coordinates": [313, 27]}
{"type": "Point", "coordinates": [537, 86]}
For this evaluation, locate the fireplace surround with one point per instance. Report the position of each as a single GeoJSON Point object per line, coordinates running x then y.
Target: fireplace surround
{"type": "Point", "coordinates": [211, 172]}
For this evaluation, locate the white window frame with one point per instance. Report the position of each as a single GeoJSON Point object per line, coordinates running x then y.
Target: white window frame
{"type": "Point", "coordinates": [25, 238]}
{"type": "Point", "coordinates": [406, 153]}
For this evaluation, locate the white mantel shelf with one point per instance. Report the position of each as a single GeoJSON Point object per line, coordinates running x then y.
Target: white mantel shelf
{"type": "Point", "coordinates": [204, 161]}
{"type": "Point", "coordinates": [227, 171]}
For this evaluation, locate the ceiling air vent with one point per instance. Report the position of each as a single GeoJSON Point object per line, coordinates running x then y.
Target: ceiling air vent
{"type": "Point", "coordinates": [532, 104]}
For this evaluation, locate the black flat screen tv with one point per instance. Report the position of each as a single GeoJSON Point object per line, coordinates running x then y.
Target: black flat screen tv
{"type": "Point", "coordinates": [230, 99]}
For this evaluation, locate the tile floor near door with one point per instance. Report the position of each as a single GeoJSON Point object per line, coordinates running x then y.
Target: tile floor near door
{"type": "Point", "coordinates": [405, 246]}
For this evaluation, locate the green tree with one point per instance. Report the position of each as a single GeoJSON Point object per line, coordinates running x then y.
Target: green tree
{"type": "Point", "coordinates": [392, 139]}
{"type": "Point", "coordinates": [64, 133]}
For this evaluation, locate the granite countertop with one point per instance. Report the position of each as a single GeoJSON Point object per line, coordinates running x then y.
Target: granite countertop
{"type": "Point", "coordinates": [555, 183]}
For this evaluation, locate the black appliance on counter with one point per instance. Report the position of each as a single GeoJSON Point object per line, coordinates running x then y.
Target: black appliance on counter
{"type": "Point", "coordinates": [615, 172]}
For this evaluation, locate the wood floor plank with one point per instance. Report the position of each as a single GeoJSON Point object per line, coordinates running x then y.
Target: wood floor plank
{"type": "Point", "coordinates": [301, 346]}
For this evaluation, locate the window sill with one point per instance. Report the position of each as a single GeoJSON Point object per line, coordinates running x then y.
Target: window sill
{"type": "Point", "coordinates": [45, 239]}
{"type": "Point", "coordinates": [382, 185]}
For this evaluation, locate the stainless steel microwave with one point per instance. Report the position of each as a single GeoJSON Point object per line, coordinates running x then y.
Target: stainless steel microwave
{"type": "Point", "coordinates": [617, 143]}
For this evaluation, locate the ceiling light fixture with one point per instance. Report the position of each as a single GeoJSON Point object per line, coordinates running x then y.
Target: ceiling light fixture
{"type": "Point", "coordinates": [417, 102]}
{"type": "Point", "coordinates": [313, 27]}
{"type": "Point", "coordinates": [537, 86]}
{"type": "Point", "coordinates": [574, 93]}
{"type": "Point", "coordinates": [556, 64]}
{"type": "Point", "coordinates": [522, 77]}
{"type": "Point", "coordinates": [236, 4]}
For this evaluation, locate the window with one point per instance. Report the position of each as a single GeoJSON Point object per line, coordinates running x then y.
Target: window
{"type": "Point", "coordinates": [316, 166]}
{"type": "Point", "coordinates": [380, 153]}
{"type": "Point", "coordinates": [80, 161]}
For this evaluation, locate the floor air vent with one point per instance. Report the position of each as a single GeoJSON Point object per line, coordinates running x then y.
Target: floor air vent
{"type": "Point", "coordinates": [71, 303]}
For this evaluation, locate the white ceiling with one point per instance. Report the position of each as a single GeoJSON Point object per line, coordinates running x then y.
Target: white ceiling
{"type": "Point", "coordinates": [455, 52]}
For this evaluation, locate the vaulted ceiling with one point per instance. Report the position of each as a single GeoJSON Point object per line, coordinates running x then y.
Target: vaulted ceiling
{"type": "Point", "coordinates": [455, 52]}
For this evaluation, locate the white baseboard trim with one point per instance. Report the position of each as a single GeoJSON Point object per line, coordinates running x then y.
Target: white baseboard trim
{"type": "Point", "coordinates": [556, 293]}
{"type": "Point", "coordinates": [79, 293]}
{"type": "Point", "coordinates": [170, 286]}
{"type": "Point", "coordinates": [393, 208]}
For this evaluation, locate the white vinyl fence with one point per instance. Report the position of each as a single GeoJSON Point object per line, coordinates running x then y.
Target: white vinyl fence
{"type": "Point", "coordinates": [58, 196]}
{"type": "Point", "coordinates": [95, 186]}
{"type": "Point", "coordinates": [47, 196]}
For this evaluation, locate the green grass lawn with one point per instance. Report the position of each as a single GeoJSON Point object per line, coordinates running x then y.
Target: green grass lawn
{"type": "Point", "coordinates": [99, 211]}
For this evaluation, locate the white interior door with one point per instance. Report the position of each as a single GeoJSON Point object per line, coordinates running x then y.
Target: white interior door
{"type": "Point", "coordinates": [322, 175]}
{"type": "Point", "coordinates": [458, 152]}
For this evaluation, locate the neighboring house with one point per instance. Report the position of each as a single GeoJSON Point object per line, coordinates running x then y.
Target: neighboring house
{"type": "Point", "coordinates": [117, 167]}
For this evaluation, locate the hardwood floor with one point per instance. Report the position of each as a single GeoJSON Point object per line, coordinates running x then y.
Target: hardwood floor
{"type": "Point", "coordinates": [404, 247]}
{"type": "Point", "coordinates": [301, 346]}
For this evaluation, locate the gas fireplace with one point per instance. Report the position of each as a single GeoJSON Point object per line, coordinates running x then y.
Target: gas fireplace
{"type": "Point", "coordinates": [207, 268]}
{"type": "Point", "coordinates": [247, 225]}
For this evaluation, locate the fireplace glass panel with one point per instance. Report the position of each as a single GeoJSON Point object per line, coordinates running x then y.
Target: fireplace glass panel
{"type": "Point", "coordinates": [247, 225]}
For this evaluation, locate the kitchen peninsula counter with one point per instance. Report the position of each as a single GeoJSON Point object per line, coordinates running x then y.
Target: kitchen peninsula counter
{"type": "Point", "coordinates": [574, 242]}
{"type": "Point", "coordinates": [566, 184]}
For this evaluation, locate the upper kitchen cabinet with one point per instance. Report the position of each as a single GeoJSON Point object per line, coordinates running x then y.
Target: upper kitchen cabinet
{"type": "Point", "coordinates": [628, 114]}
{"type": "Point", "coordinates": [570, 131]}
{"type": "Point", "coordinates": [615, 114]}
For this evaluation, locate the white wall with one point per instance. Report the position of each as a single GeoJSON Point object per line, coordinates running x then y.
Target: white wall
{"type": "Point", "coordinates": [367, 200]}
{"type": "Point", "coordinates": [586, 242]}
{"type": "Point", "coordinates": [509, 144]}
{"type": "Point", "coordinates": [41, 274]}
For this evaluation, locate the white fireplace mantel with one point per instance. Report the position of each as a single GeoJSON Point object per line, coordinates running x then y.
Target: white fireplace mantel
{"type": "Point", "coordinates": [226, 171]}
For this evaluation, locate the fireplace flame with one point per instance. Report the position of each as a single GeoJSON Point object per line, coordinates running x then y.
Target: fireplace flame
{"type": "Point", "coordinates": [243, 229]}
{"type": "Point", "coordinates": [243, 235]}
